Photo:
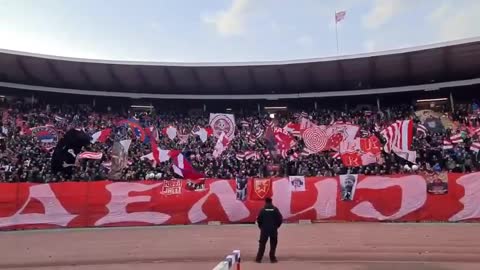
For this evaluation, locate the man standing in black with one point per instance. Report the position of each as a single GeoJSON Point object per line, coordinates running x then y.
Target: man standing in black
{"type": "Point", "coordinates": [269, 220]}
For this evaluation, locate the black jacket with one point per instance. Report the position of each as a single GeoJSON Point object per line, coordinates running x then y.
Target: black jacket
{"type": "Point", "coordinates": [269, 219]}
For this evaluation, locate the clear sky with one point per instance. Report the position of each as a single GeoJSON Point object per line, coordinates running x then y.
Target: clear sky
{"type": "Point", "coordinates": [228, 30]}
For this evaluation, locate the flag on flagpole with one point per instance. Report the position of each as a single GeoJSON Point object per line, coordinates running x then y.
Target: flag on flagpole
{"type": "Point", "coordinates": [339, 16]}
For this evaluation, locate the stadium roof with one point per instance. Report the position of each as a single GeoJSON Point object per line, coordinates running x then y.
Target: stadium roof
{"type": "Point", "coordinates": [412, 69]}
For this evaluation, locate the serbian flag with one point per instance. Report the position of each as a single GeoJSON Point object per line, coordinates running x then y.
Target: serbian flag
{"type": "Point", "coordinates": [101, 136]}
{"type": "Point", "coordinates": [135, 126]}
{"type": "Point", "coordinates": [182, 167]}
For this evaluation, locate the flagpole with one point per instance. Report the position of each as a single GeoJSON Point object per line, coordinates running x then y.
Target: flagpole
{"type": "Point", "coordinates": [336, 30]}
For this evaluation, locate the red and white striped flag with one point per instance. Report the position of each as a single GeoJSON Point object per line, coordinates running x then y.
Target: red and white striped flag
{"type": "Point", "coordinates": [475, 147]}
{"type": "Point", "coordinates": [90, 155]}
{"type": "Point", "coordinates": [399, 137]}
{"type": "Point", "coordinates": [307, 152]}
{"type": "Point", "coordinates": [306, 123]}
{"type": "Point", "coordinates": [336, 155]}
{"type": "Point", "coordinates": [293, 128]}
{"type": "Point", "coordinates": [456, 139]}
{"type": "Point", "coordinates": [222, 144]}
{"type": "Point", "coordinates": [447, 145]}
{"type": "Point", "coordinates": [339, 16]}
{"type": "Point", "coordinates": [422, 130]}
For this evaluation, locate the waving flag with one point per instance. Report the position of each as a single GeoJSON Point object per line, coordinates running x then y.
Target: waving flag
{"type": "Point", "coordinates": [222, 144]}
{"type": "Point", "coordinates": [399, 137]}
{"type": "Point", "coordinates": [447, 145]}
{"type": "Point", "coordinates": [101, 136]}
{"type": "Point", "coordinates": [182, 167]}
{"type": "Point", "coordinates": [90, 155]}
{"type": "Point", "coordinates": [203, 133]}
{"type": "Point", "coordinates": [339, 16]}
{"type": "Point", "coordinates": [458, 138]}
{"type": "Point", "coordinates": [362, 151]}
{"type": "Point", "coordinates": [475, 147]}
{"type": "Point", "coordinates": [162, 156]}
{"type": "Point", "coordinates": [170, 131]}
{"type": "Point", "coordinates": [136, 128]}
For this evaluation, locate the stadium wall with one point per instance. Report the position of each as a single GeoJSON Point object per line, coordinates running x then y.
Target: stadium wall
{"type": "Point", "coordinates": [105, 203]}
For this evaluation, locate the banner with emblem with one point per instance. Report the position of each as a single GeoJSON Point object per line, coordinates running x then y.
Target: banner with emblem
{"type": "Point", "coordinates": [437, 182]}
{"type": "Point", "coordinates": [196, 185]}
{"type": "Point", "coordinates": [348, 185]}
{"type": "Point", "coordinates": [223, 122]}
{"type": "Point", "coordinates": [172, 187]}
{"type": "Point", "coordinates": [262, 188]}
{"type": "Point", "coordinates": [297, 183]}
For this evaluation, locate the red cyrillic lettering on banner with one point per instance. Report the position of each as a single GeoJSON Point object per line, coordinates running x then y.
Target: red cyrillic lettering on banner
{"type": "Point", "coordinates": [414, 196]}
{"type": "Point", "coordinates": [53, 211]}
{"type": "Point", "coordinates": [471, 199]}
{"type": "Point", "coordinates": [120, 200]}
{"type": "Point", "coordinates": [325, 201]}
{"type": "Point", "coordinates": [234, 209]}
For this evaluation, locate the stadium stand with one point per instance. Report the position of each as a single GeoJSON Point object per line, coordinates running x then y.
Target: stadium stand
{"type": "Point", "coordinates": [52, 105]}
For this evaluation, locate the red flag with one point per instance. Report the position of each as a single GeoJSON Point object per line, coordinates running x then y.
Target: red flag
{"type": "Point", "coordinates": [153, 145]}
{"type": "Point", "coordinates": [101, 136]}
{"type": "Point", "coordinates": [262, 188]}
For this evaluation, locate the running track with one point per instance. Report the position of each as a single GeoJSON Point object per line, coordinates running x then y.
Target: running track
{"type": "Point", "coordinates": [337, 246]}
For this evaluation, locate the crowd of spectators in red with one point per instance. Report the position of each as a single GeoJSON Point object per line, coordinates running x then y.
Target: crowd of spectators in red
{"type": "Point", "coordinates": [23, 159]}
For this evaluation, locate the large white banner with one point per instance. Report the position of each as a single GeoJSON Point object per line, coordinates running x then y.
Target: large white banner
{"type": "Point", "coordinates": [223, 122]}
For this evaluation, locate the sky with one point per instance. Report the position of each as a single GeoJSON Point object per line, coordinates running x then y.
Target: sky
{"type": "Point", "coordinates": [229, 30]}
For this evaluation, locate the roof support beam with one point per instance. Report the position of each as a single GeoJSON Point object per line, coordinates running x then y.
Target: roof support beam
{"type": "Point", "coordinates": [143, 79]}
{"type": "Point", "coordinates": [340, 76]}
{"type": "Point", "coordinates": [446, 64]}
{"type": "Point", "coordinates": [372, 63]}
{"type": "Point", "coordinates": [58, 77]}
{"type": "Point", "coordinates": [253, 81]}
{"type": "Point", "coordinates": [310, 78]}
{"type": "Point", "coordinates": [225, 79]}
{"type": "Point", "coordinates": [408, 67]}
{"type": "Point", "coordinates": [25, 71]}
{"type": "Point", "coordinates": [116, 80]}
{"type": "Point", "coordinates": [172, 84]}
{"type": "Point", "coordinates": [198, 82]}
{"type": "Point", "coordinates": [86, 77]}
{"type": "Point", "coordinates": [283, 80]}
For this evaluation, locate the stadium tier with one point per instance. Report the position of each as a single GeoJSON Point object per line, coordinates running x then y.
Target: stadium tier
{"type": "Point", "coordinates": [405, 113]}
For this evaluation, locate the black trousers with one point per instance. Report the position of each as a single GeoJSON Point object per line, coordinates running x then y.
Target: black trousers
{"type": "Point", "coordinates": [264, 236]}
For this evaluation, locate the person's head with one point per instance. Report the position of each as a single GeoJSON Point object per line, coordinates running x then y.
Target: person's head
{"type": "Point", "coordinates": [268, 200]}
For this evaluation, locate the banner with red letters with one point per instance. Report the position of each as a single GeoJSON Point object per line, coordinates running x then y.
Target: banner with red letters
{"type": "Point", "coordinates": [105, 203]}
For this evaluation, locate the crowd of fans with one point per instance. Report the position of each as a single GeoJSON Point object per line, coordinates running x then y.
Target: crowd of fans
{"type": "Point", "coordinates": [24, 159]}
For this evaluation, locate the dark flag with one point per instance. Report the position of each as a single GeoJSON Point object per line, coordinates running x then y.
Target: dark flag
{"type": "Point", "coordinates": [66, 150]}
